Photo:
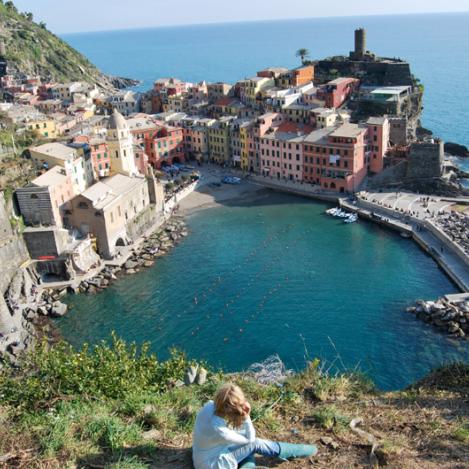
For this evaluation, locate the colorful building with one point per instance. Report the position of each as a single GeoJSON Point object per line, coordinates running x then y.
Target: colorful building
{"type": "Point", "coordinates": [334, 159]}
{"type": "Point", "coordinates": [281, 151]}
{"type": "Point", "coordinates": [262, 124]}
{"type": "Point", "coordinates": [99, 153]}
{"type": "Point", "coordinates": [43, 127]}
{"type": "Point", "coordinates": [195, 131]}
{"type": "Point", "coordinates": [338, 91]}
{"type": "Point", "coordinates": [241, 142]}
{"type": "Point", "coordinates": [296, 77]}
{"type": "Point", "coordinates": [378, 142]}
{"type": "Point", "coordinates": [216, 91]}
{"type": "Point", "coordinates": [165, 146]}
{"type": "Point", "coordinates": [251, 87]}
{"type": "Point", "coordinates": [219, 141]}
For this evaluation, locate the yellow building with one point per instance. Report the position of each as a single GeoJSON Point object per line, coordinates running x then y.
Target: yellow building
{"type": "Point", "coordinates": [219, 141]}
{"type": "Point", "coordinates": [43, 127]}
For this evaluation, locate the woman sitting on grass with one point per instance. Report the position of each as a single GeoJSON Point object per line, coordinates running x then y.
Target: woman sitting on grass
{"type": "Point", "coordinates": [224, 437]}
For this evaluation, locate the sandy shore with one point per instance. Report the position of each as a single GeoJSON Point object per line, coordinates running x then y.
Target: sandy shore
{"type": "Point", "coordinates": [208, 195]}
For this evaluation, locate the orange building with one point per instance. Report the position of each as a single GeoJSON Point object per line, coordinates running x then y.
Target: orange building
{"type": "Point", "coordinates": [296, 77]}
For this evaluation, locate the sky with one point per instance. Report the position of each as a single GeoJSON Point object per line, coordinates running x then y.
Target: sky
{"type": "Point", "coordinates": [66, 16]}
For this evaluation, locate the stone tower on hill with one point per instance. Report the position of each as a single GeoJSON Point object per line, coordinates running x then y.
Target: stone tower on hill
{"type": "Point", "coordinates": [360, 52]}
{"type": "Point", "coordinates": [360, 42]}
{"type": "Point", "coordinates": [120, 143]}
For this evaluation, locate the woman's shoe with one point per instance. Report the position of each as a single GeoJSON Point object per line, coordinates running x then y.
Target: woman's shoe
{"type": "Point", "coordinates": [289, 450]}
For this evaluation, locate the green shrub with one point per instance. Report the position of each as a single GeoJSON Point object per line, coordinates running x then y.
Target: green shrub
{"type": "Point", "coordinates": [328, 417]}
{"type": "Point", "coordinates": [108, 370]}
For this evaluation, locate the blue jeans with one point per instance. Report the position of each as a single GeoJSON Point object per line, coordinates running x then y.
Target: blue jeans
{"type": "Point", "coordinates": [258, 446]}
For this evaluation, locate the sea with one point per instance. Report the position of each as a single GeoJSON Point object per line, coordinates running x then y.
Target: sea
{"type": "Point", "coordinates": [278, 276]}
{"type": "Point", "coordinates": [434, 44]}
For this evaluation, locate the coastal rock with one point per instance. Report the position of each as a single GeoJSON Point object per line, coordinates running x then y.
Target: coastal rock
{"type": "Point", "coordinates": [121, 83]}
{"type": "Point", "coordinates": [201, 377]}
{"type": "Point", "coordinates": [190, 375]}
{"type": "Point", "coordinates": [131, 271]}
{"type": "Point", "coordinates": [129, 265]}
{"type": "Point", "coordinates": [58, 309]}
{"type": "Point", "coordinates": [456, 149]}
{"type": "Point", "coordinates": [149, 263]}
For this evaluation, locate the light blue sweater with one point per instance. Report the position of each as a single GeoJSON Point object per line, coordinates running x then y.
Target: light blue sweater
{"type": "Point", "coordinates": [212, 440]}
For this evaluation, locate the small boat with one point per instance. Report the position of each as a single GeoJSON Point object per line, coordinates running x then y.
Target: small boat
{"type": "Point", "coordinates": [406, 235]}
{"type": "Point", "coordinates": [333, 211]}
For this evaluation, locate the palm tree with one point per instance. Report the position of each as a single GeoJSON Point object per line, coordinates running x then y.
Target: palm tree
{"type": "Point", "coordinates": [302, 53]}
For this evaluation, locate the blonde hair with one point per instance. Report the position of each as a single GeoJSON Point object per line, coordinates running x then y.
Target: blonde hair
{"type": "Point", "coordinates": [229, 404]}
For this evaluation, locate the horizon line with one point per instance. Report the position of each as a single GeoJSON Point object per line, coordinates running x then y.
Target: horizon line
{"type": "Point", "coordinates": [270, 20]}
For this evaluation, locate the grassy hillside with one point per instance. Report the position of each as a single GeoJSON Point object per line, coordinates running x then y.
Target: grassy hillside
{"type": "Point", "coordinates": [115, 406]}
{"type": "Point", "coordinates": [34, 50]}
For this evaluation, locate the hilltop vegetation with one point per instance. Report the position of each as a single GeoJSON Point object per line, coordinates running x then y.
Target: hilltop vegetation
{"type": "Point", "coordinates": [117, 406]}
{"type": "Point", "coordinates": [32, 49]}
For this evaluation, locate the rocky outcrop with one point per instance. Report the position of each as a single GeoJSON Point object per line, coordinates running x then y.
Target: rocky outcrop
{"type": "Point", "coordinates": [455, 149]}
{"type": "Point", "coordinates": [121, 83]}
{"type": "Point", "coordinates": [451, 317]}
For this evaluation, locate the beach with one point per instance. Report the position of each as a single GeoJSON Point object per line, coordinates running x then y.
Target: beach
{"type": "Point", "coordinates": [209, 193]}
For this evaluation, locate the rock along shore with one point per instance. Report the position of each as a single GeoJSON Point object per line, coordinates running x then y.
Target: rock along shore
{"type": "Point", "coordinates": [448, 315]}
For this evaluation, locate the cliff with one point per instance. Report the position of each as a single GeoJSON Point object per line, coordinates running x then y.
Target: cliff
{"type": "Point", "coordinates": [33, 50]}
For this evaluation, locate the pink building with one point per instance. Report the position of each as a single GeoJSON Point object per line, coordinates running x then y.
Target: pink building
{"type": "Point", "coordinates": [281, 151]}
{"type": "Point", "coordinates": [337, 91]}
{"type": "Point", "coordinates": [261, 126]}
{"type": "Point", "coordinates": [170, 86]}
{"type": "Point", "coordinates": [335, 158]}
{"type": "Point", "coordinates": [378, 142]}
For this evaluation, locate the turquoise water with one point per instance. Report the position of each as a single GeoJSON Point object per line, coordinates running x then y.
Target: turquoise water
{"type": "Point", "coordinates": [436, 46]}
{"type": "Point", "coordinates": [279, 277]}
